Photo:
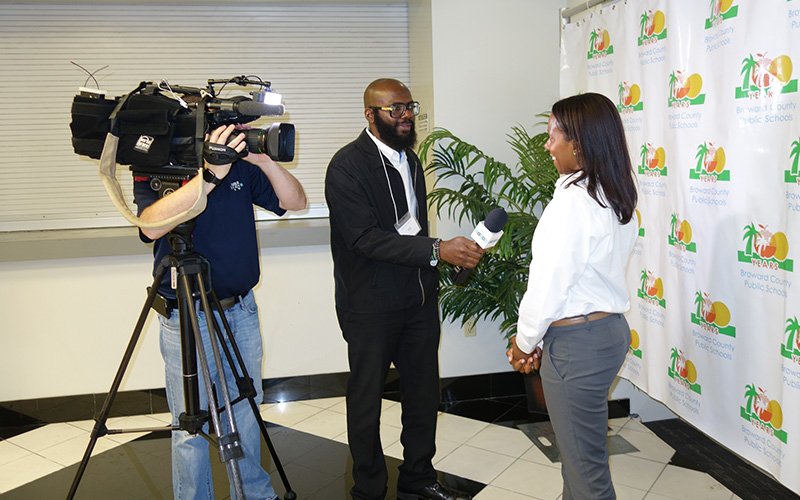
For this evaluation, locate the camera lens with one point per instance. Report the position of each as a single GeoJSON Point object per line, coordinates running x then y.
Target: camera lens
{"type": "Point", "coordinates": [277, 141]}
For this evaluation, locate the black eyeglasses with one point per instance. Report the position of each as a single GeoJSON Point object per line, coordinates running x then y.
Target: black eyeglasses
{"type": "Point", "coordinates": [398, 109]}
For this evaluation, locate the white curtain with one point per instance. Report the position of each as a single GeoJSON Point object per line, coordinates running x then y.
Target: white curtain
{"type": "Point", "coordinates": [709, 100]}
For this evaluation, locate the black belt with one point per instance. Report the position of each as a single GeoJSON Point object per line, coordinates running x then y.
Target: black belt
{"type": "Point", "coordinates": [165, 305]}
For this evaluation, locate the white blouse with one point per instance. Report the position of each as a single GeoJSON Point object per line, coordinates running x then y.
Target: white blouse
{"type": "Point", "coordinates": [579, 255]}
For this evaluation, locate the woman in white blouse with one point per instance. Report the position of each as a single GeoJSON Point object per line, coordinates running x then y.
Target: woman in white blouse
{"type": "Point", "coordinates": [570, 317]}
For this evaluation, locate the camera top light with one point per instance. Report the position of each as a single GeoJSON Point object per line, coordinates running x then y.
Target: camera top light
{"type": "Point", "coordinates": [267, 97]}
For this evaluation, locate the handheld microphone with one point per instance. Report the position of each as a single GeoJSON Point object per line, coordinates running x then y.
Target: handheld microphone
{"type": "Point", "coordinates": [486, 235]}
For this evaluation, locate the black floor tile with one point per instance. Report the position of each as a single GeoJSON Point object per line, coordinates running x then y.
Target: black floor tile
{"type": "Point", "coordinates": [315, 468]}
{"type": "Point", "coordinates": [619, 408]}
{"type": "Point", "coordinates": [520, 415]}
{"type": "Point", "coordinates": [13, 423]}
{"type": "Point", "coordinates": [506, 384]}
{"type": "Point", "coordinates": [125, 403]}
{"type": "Point", "coordinates": [695, 450]}
{"type": "Point", "coordinates": [141, 469]}
{"type": "Point", "coordinates": [465, 388]}
{"type": "Point", "coordinates": [59, 408]}
{"type": "Point", "coordinates": [485, 410]}
{"type": "Point", "coordinates": [305, 387]}
{"type": "Point", "coordinates": [158, 401]}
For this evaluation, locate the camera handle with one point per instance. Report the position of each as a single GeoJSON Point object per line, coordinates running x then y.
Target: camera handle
{"type": "Point", "coordinates": [220, 154]}
{"type": "Point", "coordinates": [191, 267]}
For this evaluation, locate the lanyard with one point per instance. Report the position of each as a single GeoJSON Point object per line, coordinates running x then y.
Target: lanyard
{"type": "Point", "coordinates": [391, 191]}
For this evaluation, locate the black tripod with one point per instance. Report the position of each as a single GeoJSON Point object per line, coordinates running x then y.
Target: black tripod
{"type": "Point", "coordinates": [191, 270]}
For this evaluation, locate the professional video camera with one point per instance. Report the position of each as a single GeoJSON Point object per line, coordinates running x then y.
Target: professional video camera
{"type": "Point", "coordinates": [161, 127]}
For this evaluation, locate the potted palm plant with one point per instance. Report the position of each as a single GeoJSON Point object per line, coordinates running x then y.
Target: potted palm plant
{"type": "Point", "coordinates": [469, 183]}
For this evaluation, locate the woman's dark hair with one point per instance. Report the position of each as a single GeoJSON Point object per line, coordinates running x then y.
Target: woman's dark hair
{"type": "Point", "coordinates": [593, 122]}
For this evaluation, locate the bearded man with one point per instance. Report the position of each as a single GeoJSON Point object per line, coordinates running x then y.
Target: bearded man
{"type": "Point", "coordinates": [385, 270]}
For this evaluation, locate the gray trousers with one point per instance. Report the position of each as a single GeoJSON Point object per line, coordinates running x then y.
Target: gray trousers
{"type": "Point", "coordinates": [579, 364]}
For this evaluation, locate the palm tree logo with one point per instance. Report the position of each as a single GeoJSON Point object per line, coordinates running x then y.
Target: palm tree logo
{"type": "Point", "coordinates": [712, 315]}
{"type": "Point", "coordinates": [642, 23]}
{"type": "Point", "coordinates": [699, 299]}
{"type": "Point", "coordinates": [766, 412]}
{"type": "Point", "coordinates": [700, 156]}
{"type": "Point", "coordinates": [599, 43]}
{"type": "Point", "coordinates": [652, 26]}
{"type": "Point", "coordinates": [792, 344]}
{"type": "Point", "coordinates": [644, 152]}
{"type": "Point", "coordinates": [750, 394]}
{"type": "Point", "coordinates": [750, 234]}
{"type": "Point", "coordinates": [653, 160]}
{"type": "Point", "coordinates": [761, 73]}
{"type": "Point", "coordinates": [792, 175]}
{"type": "Point", "coordinates": [673, 80]}
{"type": "Point", "coordinates": [592, 40]}
{"type": "Point", "coordinates": [768, 247]}
{"type": "Point", "coordinates": [710, 163]}
{"type": "Point", "coordinates": [644, 278]}
{"type": "Point", "coordinates": [673, 358]}
{"type": "Point", "coordinates": [748, 65]}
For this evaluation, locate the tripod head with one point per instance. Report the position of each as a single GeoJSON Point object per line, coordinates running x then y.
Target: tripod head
{"type": "Point", "coordinates": [180, 238]}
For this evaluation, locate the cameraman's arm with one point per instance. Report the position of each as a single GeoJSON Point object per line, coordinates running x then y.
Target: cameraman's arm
{"type": "Point", "coordinates": [288, 189]}
{"type": "Point", "coordinates": [185, 197]}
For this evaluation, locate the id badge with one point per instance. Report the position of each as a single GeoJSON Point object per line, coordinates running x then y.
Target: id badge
{"type": "Point", "coordinates": [408, 225]}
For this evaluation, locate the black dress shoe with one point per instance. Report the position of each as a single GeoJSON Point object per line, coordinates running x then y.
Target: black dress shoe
{"type": "Point", "coordinates": [435, 491]}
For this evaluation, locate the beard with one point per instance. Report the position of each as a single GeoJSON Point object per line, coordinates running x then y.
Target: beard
{"type": "Point", "coordinates": [394, 139]}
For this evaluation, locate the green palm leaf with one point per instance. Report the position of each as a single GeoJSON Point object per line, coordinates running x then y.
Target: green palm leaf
{"type": "Point", "coordinates": [469, 183]}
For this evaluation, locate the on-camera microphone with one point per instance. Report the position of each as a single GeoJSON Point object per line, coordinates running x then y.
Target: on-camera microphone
{"type": "Point", "coordinates": [255, 108]}
{"type": "Point", "coordinates": [486, 234]}
{"type": "Point", "coordinates": [244, 106]}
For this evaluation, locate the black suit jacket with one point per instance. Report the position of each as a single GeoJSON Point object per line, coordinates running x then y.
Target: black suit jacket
{"type": "Point", "coordinates": [375, 268]}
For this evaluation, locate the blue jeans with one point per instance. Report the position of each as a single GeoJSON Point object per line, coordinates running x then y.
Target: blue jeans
{"type": "Point", "coordinates": [191, 466]}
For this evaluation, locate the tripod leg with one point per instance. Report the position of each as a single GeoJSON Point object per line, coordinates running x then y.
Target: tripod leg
{"type": "Point", "coordinates": [229, 446]}
{"type": "Point", "coordinates": [246, 388]}
{"type": "Point", "coordinates": [99, 428]}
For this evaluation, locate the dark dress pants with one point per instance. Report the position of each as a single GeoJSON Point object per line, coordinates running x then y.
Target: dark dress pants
{"type": "Point", "coordinates": [579, 364]}
{"type": "Point", "coordinates": [409, 338]}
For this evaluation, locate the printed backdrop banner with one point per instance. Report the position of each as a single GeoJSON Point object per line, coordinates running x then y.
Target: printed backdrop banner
{"type": "Point", "coordinates": [709, 101]}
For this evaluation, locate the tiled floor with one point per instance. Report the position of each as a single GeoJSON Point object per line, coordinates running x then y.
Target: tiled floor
{"type": "Point", "coordinates": [502, 458]}
{"type": "Point", "coordinates": [479, 449]}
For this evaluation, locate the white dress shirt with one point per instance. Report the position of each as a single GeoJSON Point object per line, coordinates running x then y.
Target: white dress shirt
{"type": "Point", "coordinates": [579, 253]}
{"type": "Point", "coordinates": [399, 161]}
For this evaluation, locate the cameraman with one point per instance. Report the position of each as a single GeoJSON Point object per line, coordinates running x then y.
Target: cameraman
{"type": "Point", "coordinates": [225, 234]}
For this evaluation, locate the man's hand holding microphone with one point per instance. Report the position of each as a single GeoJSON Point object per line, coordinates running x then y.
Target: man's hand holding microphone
{"type": "Point", "coordinates": [461, 251]}
{"type": "Point", "coordinates": [485, 236]}
{"type": "Point", "coordinates": [465, 253]}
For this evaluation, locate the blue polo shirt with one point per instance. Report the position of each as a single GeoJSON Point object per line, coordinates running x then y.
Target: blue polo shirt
{"type": "Point", "coordinates": [225, 233]}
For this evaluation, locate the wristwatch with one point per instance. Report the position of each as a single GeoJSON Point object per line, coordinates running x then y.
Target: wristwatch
{"type": "Point", "coordinates": [435, 252]}
{"type": "Point", "coordinates": [210, 177]}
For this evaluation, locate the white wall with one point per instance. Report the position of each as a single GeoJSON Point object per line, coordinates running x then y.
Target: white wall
{"type": "Point", "coordinates": [495, 65]}
{"type": "Point", "coordinates": [65, 323]}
